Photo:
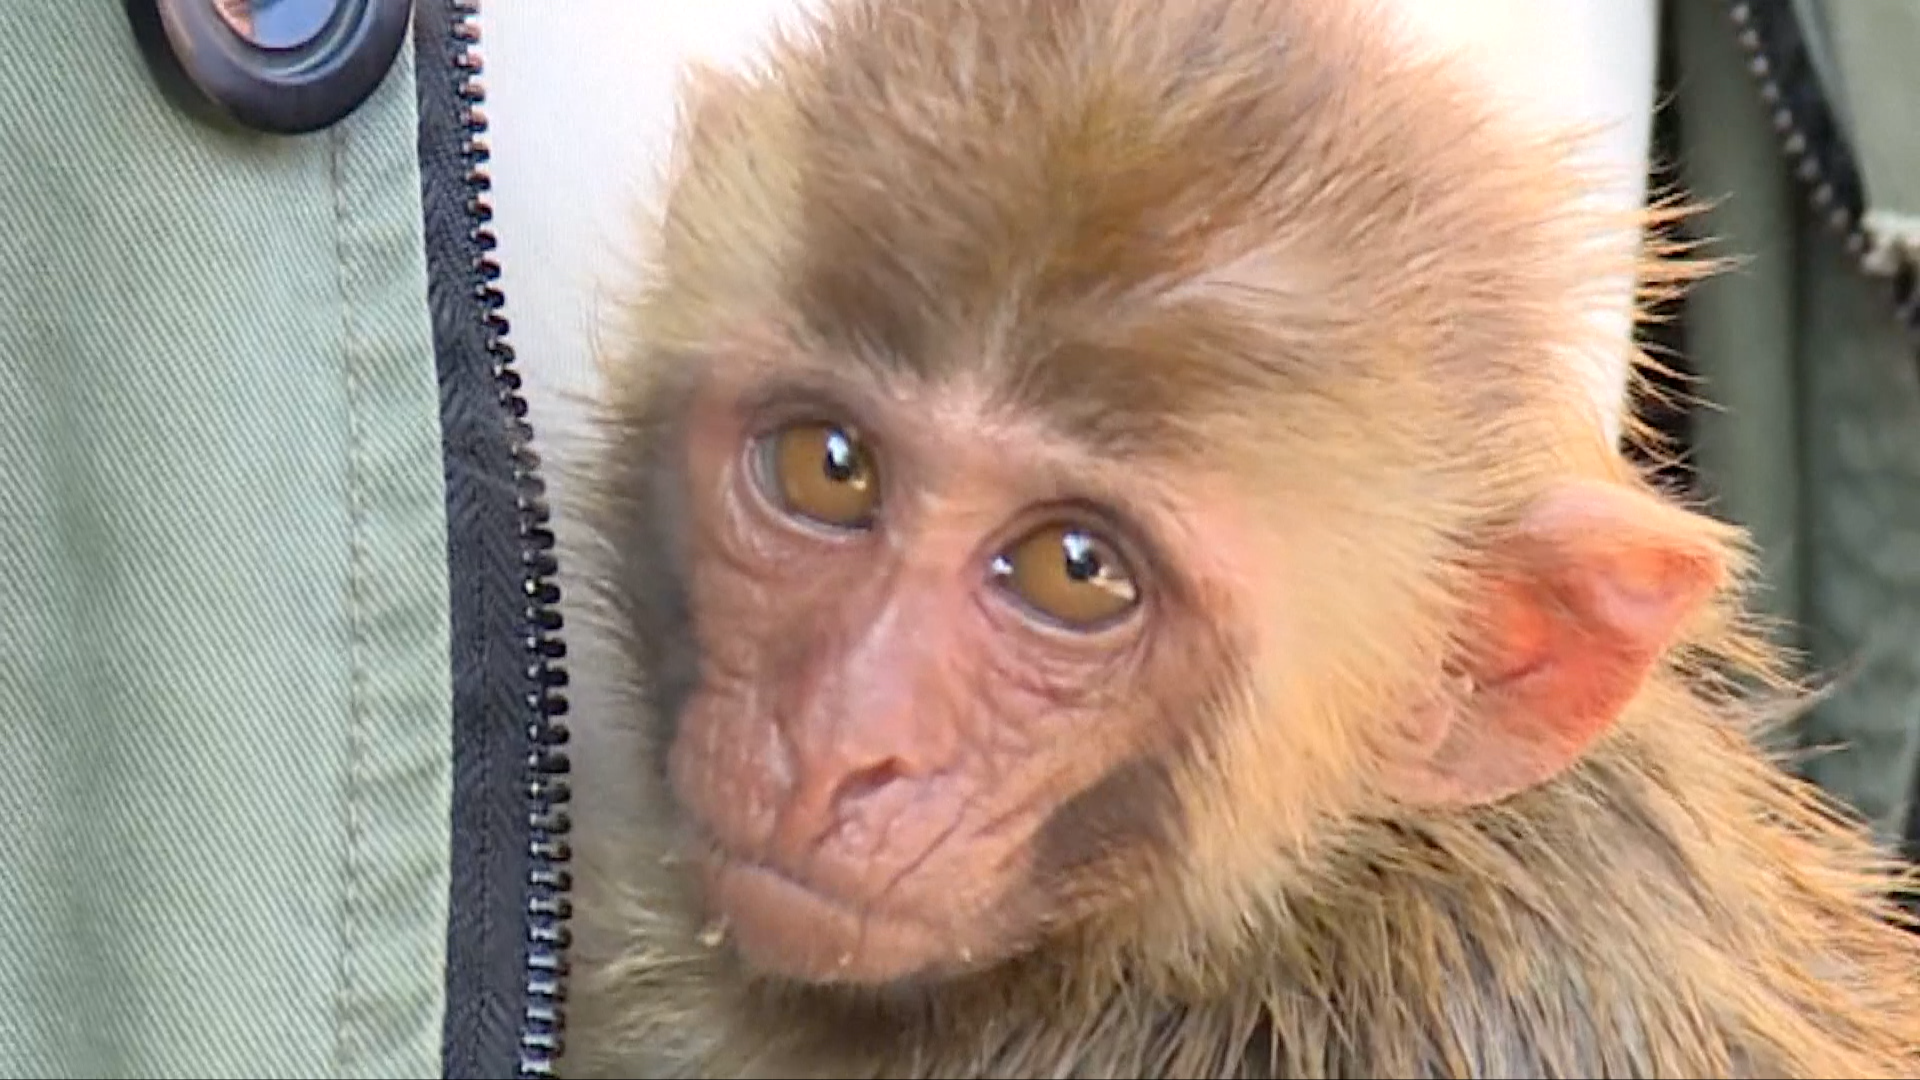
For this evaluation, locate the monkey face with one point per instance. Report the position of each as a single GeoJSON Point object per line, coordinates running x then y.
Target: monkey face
{"type": "Point", "coordinates": [1012, 461]}
{"type": "Point", "coordinates": [1128, 585]}
{"type": "Point", "coordinates": [899, 627]}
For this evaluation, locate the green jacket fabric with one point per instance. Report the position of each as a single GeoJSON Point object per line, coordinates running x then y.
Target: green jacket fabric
{"type": "Point", "coordinates": [224, 665]}
{"type": "Point", "coordinates": [275, 646]}
{"type": "Point", "coordinates": [1812, 368]}
{"type": "Point", "coordinates": [280, 659]}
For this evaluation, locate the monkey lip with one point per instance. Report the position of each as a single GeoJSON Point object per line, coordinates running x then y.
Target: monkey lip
{"type": "Point", "coordinates": [784, 927]}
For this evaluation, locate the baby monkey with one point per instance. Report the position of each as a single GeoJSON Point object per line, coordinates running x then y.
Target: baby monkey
{"type": "Point", "coordinates": [1121, 577]}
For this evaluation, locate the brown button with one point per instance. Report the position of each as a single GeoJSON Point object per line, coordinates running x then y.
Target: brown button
{"type": "Point", "coordinates": [282, 66]}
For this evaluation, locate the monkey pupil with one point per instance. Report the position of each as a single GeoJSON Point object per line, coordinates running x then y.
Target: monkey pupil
{"type": "Point", "coordinates": [840, 464]}
{"type": "Point", "coordinates": [1083, 563]}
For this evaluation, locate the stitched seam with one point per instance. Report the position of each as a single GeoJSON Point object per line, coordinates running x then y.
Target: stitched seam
{"type": "Point", "coordinates": [354, 825]}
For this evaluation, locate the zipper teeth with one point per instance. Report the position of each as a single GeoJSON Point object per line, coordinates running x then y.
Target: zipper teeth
{"type": "Point", "coordinates": [549, 883]}
{"type": "Point", "coordinates": [1810, 138]}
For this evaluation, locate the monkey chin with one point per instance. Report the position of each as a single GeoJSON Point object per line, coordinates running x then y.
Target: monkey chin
{"type": "Point", "coordinates": [782, 928]}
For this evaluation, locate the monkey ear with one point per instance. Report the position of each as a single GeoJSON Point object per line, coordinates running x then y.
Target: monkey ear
{"type": "Point", "coordinates": [1594, 583]}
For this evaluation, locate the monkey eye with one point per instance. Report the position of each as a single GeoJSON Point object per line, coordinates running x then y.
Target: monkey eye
{"type": "Point", "coordinates": [819, 471]}
{"type": "Point", "coordinates": [1067, 575]}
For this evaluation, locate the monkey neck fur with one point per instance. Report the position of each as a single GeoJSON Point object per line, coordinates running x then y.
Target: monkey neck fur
{"type": "Point", "coordinates": [1752, 942]}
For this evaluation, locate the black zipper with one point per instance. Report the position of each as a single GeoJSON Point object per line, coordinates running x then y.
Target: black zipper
{"type": "Point", "coordinates": [509, 901]}
{"type": "Point", "coordinates": [1815, 147]}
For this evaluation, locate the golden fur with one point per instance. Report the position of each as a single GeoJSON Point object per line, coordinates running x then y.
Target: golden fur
{"type": "Point", "coordinates": [1363, 273]}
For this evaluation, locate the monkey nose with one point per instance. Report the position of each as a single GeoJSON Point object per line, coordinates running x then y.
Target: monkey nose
{"type": "Point", "coordinates": [851, 780]}
{"type": "Point", "coordinates": [862, 749]}
{"type": "Point", "coordinates": [863, 780]}
{"type": "Point", "coordinates": [843, 794]}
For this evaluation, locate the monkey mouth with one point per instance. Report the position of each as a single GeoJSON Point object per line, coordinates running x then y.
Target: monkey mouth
{"type": "Point", "coordinates": [781, 926]}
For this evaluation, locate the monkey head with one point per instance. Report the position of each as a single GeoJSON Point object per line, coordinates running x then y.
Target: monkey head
{"type": "Point", "coordinates": [1083, 478]}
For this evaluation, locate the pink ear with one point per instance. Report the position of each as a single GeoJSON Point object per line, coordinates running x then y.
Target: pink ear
{"type": "Point", "coordinates": [1595, 582]}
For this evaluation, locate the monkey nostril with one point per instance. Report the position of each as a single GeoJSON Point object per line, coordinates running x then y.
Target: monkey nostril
{"type": "Point", "coordinates": [860, 783]}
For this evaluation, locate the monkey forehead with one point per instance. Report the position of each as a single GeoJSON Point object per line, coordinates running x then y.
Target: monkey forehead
{"type": "Point", "coordinates": [1138, 213]}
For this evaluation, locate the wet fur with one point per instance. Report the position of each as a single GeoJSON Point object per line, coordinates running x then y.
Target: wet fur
{"type": "Point", "coordinates": [1375, 252]}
